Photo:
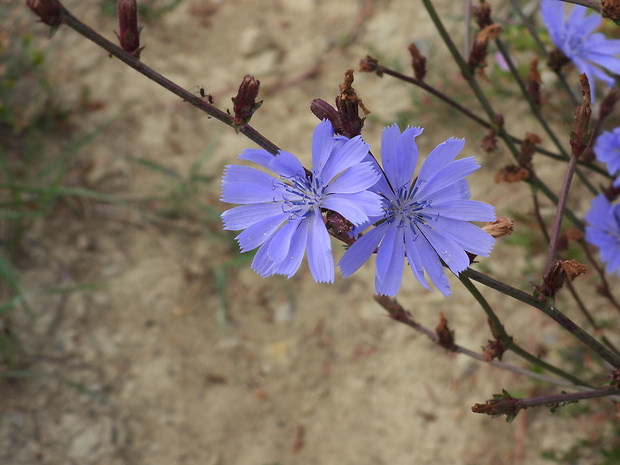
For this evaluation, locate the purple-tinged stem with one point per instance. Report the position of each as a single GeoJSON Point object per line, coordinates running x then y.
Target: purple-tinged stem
{"type": "Point", "coordinates": [89, 33]}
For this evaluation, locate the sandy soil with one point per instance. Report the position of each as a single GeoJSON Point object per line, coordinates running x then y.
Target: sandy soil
{"type": "Point", "coordinates": [269, 371]}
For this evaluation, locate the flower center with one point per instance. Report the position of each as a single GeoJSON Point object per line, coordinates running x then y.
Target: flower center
{"type": "Point", "coordinates": [406, 211]}
{"type": "Point", "coordinates": [303, 194]}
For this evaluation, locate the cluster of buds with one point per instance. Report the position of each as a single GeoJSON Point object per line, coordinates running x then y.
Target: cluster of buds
{"type": "Point", "coordinates": [501, 404]}
{"type": "Point", "coordinates": [245, 103]}
{"type": "Point", "coordinates": [345, 118]}
{"type": "Point", "coordinates": [129, 36]}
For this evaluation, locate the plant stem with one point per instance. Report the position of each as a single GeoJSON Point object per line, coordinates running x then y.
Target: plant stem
{"type": "Point", "coordinates": [467, 74]}
{"type": "Point", "coordinates": [592, 4]}
{"type": "Point", "coordinates": [565, 397]}
{"type": "Point", "coordinates": [508, 340]}
{"type": "Point", "coordinates": [399, 314]}
{"type": "Point", "coordinates": [550, 311]}
{"type": "Point", "coordinates": [187, 96]}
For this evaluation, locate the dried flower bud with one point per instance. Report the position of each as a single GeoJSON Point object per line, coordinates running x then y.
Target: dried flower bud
{"type": "Point", "coordinates": [534, 81]}
{"type": "Point", "coordinates": [444, 335]}
{"type": "Point", "coordinates": [348, 105]}
{"type": "Point", "coordinates": [339, 227]}
{"type": "Point", "coordinates": [500, 227]}
{"type": "Point", "coordinates": [528, 148]}
{"type": "Point", "coordinates": [369, 65]}
{"type": "Point", "coordinates": [493, 350]}
{"type": "Point", "coordinates": [611, 9]}
{"type": "Point", "coordinates": [501, 404]}
{"type": "Point", "coordinates": [129, 37]}
{"type": "Point", "coordinates": [482, 13]}
{"type": "Point", "coordinates": [418, 61]}
{"type": "Point", "coordinates": [512, 174]}
{"type": "Point", "coordinates": [245, 103]}
{"type": "Point", "coordinates": [48, 11]}
{"type": "Point", "coordinates": [478, 55]}
{"type": "Point", "coordinates": [556, 276]}
{"type": "Point", "coordinates": [489, 141]}
{"type": "Point", "coordinates": [580, 136]}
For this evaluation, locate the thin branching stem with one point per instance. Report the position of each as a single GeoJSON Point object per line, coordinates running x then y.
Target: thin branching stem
{"type": "Point", "coordinates": [248, 131]}
{"type": "Point", "coordinates": [508, 341]}
{"type": "Point", "coordinates": [549, 310]}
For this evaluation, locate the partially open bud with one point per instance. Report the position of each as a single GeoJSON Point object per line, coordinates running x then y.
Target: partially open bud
{"type": "Point", "coordinates": [500, 227]}
{"type": "Point", "coordinates": [556, 276]}
{"type": "Point", "coordinates": [245, 103]}
{"type": "Point", "coordinates": [48, 11]}
{"type": "Point", "coordinates": [534, 81]}
{"type": "Point", "coordinates": [418, 62]}
{"type": "Point", "coordinates": [129, 37]}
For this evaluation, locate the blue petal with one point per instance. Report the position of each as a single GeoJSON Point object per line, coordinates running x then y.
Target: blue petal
{"type": "Point", "coordinates": [281, 243]}
{"type": "Point", "coordinates": [262, 263]}
{"type": "Point", "coordinates": [448, 250]}
{"type": "Point", "coordinates": [290, 264]}
{"type": "Point", "coordinates": [350, 154]}
{"type": "Point", "coordinates": [258, 233]}
{"type": "Point", "coordinates": [413, 257]}
{"type": "Point", "coordinates": [399, 155]}
{"type": "Point", "coordinates": [319, 250]}
{"type": "Point", "coordinates": [287, 165]}
{"type": "Point", "coordinates": [322, 143]}
{"type": "Point", "coordinates": [449, 174]}
{"type": "Point", "coordinates": [390, 262]}
{"type": "Point", "coordinates": [355, 179]}
{"type": "Point", "coordinates": [354, 207]}
{"type": "Point", "coordinates": [465, 210]}
{"type": "Point", "coordinates": [241, 217]}
{"type": "Point", "coordinates": [258, 156]}
{"type": "Point", "coordinates": [439, 157]}
{"type": "Point", "coordinates": [361, 250]}
{"type": "Point", "coordinates": [432, 265]}
{"type": "Point", "coordinates": [552, 12]}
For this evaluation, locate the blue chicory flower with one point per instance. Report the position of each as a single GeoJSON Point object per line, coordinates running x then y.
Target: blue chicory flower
{"type": "Point", "coordinates": [603, 231]}
{"type": "Point", "coordinates": [607, 150]}
{"type": "Point", "coordinates": [591, 52]}
{"type": "Point", "coordinates": [426, 220]}
{"type": "Point", "coordinates": [283, 216]}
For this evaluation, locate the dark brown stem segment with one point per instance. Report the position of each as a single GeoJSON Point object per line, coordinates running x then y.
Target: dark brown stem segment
{"type": "Point", "coordinates": [248, 131]}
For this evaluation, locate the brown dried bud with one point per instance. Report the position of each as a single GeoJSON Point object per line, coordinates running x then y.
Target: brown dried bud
{"type": "Point", "coordinates": [370, 65]}
{"type": "Point", "coordinates": [580, 136]}
{"type": "Point", "coordinates": [500, 227]}
{"type": "Point", "coordinates": [501, 404]}
{"type": "Point", "coordinates": [493, 350]}
{"type": "Point", "coordinates": [610, 9]}
{"type": "Point", "coordinates": [512, 173]}
{"type": "Point", "coordinates": [444, 335]}
{"type": "Point", "coordinates": [48, 11]}
{"type": "Point", "coordinates": [418, 61]}
{"type": "Point", "coordinates": [245, 103]}
{"type": "Point", "coordinates": [478, 55]}
{"type": "Point", "coordinates": [489, 141]}
{"type": "Point", "coordinates": [348, 105]}
{"type": "Point", "coordinates": [129, 37]}
{"type": "Point", "coordinates": [339, 227]}
{"type": "Point", "coordinates": [573, 234]}
{"type": "Point", "coordinates": [534, 81]}
{"type": "Point", "coordinates": [556, 276]}
{"type": "Point", "coordinates": [323, 110]}
{"type": "Point", "coordinates": [482, 14]}
{"type": "Point", "coordinates": [528, 148]}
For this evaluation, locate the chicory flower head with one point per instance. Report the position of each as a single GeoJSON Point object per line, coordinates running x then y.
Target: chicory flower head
{"type": "Point", "coordinates": [591, 52]}
{"type": "Point", "coordinates": [603, 231]}
{"type": "Point", "coordinates": [283, 215]}
{"type": "Point", "coordinates": [426, 220]}
{"type": "Point", "coordinates": [607, 150]}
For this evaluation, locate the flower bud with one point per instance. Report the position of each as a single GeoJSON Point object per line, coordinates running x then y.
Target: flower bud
{"type": "Point", "coordinates": [129, 37]}
{"type": "Point", "coordinates": [580, 135]}
{"type": "Point", "coordinates": [556, 276]}
{"type": "Point", "coordinates": [48, 11]}
{"type": "Point", "coordinates": [611, 9]}
{"type": "Point", "coordinates": [245, 103]}
{"type": "Point", "coordinates": [533, 82]}
{"type": "Point", "coordinates": [418, 61]}
{"type": "Point", "coordinates": [482, 13]}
